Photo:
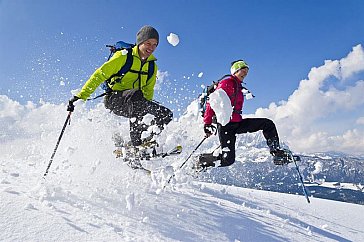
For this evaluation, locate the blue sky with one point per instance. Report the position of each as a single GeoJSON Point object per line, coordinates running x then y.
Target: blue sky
{"type": "Point", "coordinates": [281, 40]}
{"type": "Point", "coordinates": [45, 43]}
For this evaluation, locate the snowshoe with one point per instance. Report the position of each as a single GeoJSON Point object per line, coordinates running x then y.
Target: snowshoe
{"type": "Point", "coordinates": [284, 156]}
{"type": "Point", "coordinates": [149, 144]}
{"type": "Point", "coordinates": [204, 161]}
{"type": "Point", "coordinates": [143, 151]}
{"type": "Point", "coordinates": [147, 149]}
{"type": "Point", "coordinates": [147, 153]}
{"type": "Point", "coordinates": [131, 156]}
{"type": "Point", "coordinates": [198, 168]}
{"type": "Point", "coordinates": [175, 151]}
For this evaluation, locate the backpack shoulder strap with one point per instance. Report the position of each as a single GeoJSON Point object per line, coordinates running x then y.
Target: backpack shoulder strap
{"type": "Point", "coordinates": [151, 69]}
{"type": "Point", "coordinates": [128, 63]}
{"type": "Point", "coordinates": [224, 77]}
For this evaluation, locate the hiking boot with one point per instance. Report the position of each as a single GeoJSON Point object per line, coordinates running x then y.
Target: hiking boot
{"type": "Point", "coordinates": [273, 145]}
{"type": "Point", "coordinates": [282, 156]}
{"type": "Point", "coordinates": [204, 161]}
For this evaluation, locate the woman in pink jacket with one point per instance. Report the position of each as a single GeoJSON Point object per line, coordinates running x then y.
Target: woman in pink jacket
{"type": "Point", "coordinates": [232, 85]}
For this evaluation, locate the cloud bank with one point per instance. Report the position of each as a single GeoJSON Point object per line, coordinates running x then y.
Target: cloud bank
{"type": "Point", "coordinates": [326, 112]}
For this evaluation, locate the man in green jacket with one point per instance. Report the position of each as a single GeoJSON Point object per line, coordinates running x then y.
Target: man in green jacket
{"type": "Point", "coordinates": [132, 93]}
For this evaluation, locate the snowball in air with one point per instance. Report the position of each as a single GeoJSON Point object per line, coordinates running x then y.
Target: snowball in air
{"type": "Point", "coordinates": [173, 39]}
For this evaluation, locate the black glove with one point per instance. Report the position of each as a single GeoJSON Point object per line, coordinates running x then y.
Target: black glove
{"type": "Point", "coordinates": [71, 107]}
{"type": "Point", "coordinates": [209, 130]}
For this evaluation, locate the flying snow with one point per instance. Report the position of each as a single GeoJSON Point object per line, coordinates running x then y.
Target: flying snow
{"type": "Point", "coordinates": [220, 103]}
{"type": "Point", "coordinates": [173, 39]}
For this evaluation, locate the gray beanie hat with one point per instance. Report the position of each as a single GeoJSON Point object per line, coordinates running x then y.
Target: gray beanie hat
{"type": "Point", "coordinates": [145, 33]}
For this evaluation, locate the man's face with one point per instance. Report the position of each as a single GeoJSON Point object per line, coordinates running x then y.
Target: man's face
{"type": "Point", "coordinates": [242, 73]}
{"type": "Point", "coordinates": [147, 48]}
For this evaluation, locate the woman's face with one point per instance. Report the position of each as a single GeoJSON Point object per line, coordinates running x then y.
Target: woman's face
{"type": "Point", "coordinates": [242, 73]}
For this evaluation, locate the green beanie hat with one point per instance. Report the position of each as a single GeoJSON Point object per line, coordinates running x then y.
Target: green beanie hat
{"type": "Point", "coordinates": [237, 65]}
{"type": "Point", "coordinates": [145, 33]}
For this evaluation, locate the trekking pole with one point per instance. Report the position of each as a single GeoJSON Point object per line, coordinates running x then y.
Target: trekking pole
{"type": "Point", "coordinates": [169, 180]}
{"type": "Point", "coordinates": [301, 180]}
{"type": "Point", "coordinates": [68, 120]}
{"type": "Point", "coordinates": [303, 185]}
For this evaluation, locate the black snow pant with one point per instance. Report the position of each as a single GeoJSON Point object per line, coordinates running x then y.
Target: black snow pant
{"type": "Point", "coordinates": [132, 104]}
{"type": "Point", "coordinates": [227, 137]}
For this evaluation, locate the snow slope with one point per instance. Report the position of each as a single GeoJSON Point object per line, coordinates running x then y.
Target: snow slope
{"type": "Point", "coordinates": [114, 211]}
{"type": "Point", "coordinates": [89, 195]}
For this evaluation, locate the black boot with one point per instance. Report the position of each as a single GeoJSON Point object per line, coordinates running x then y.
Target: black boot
{"type": "Point", "coordinates": [205, 160]}
{"type": "Point", "coordinates": [273, 145]}
{"type": "Point", "coordinates": [280, 156]}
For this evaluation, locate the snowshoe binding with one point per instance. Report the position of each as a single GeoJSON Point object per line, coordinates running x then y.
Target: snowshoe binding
{"type": "Point", "coordinates": [143, 151]}
{"type": "Point", "coordinates": [284, 157]}
{"type": "Point", "coordinates": [203, 161]}
{"type": "Point", "coordinates": [280, 155]}
{"type": "Point", "coordinates": [132, 157]}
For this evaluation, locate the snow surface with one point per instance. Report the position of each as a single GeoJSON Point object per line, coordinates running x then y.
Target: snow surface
{"type": "Point", "coordinates": [89, 195]}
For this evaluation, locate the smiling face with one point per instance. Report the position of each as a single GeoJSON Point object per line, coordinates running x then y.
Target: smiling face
{"type": "Point", "coordinates": [242, 73]}
{"type": "Point", "coordinates": [147, 48]}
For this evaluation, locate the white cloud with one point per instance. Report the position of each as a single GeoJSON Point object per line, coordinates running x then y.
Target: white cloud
{"type": "Point", "coordinates": [353, 63]}
{"type": "Point", "coordinates": [312, 104]}
{"type": "Point", "coordinates": [10, 109]}
{"type": "Point", "coordinates": [360, 120]}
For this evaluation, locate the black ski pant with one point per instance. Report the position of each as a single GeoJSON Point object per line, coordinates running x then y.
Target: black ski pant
{"type": "Point", "coordinates": [227, 136]}
{"type": "Point", "coordinates": [132, 104]}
